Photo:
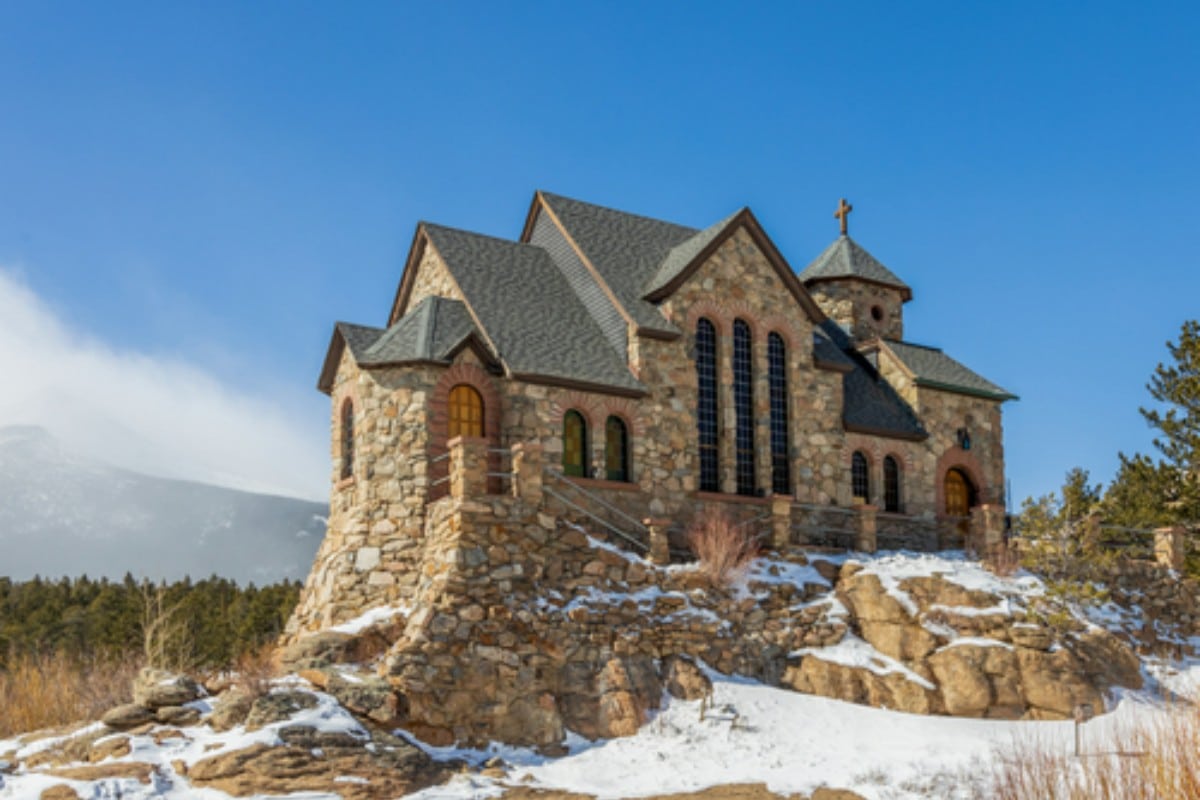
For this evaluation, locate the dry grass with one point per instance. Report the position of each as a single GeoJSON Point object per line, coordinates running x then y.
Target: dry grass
{"type": "Point", "coordinates": [724, 549]}
{"type": "Point", "coordinates": [1157, 760]}
{"type": "Point", "coordinates": [50, 690]}
{"type": "Point", "coordinates": [254, 670]}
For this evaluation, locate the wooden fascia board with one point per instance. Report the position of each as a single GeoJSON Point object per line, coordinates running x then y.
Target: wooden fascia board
{"type": "Point", "coordinates": [925, 383]}
{"type": "Point", "coordinates": [884, 434]}
{"type": "Point", "coordinates": [333, 355]}
{"type": "Point", "coordinates": [832, 366]}
{"type": "Point", "coordinates": [415, 251]}
{"type": "Point", "coordinates": [905, 292]}
{"type": "Point", "coordinates": [745, 218]}
{"type": "Point", "coordinates": [582, 386]}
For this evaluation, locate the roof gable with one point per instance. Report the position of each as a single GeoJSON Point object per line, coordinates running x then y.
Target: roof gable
{"type": "Point", "coordinates": [931, 368]}
{"type": "Point", "coordinates": [846, 258]}
{"type": "Point", "coordinates": [685, 259]}
{"type": "Point", "coordinates": [620, 249]}
{"type": "Point", "coordinates": [528, 311]}
{"type": "Point", "coordinates": [358, 338]}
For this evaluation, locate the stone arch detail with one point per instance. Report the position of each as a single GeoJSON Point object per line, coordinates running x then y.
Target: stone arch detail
{"type": "Point", "coordinates": [715, 312]}
{"type": "Point", "coordinates": [956, 458]}
{"type": "Point", "coordinates": [439, 418]}
{"type": "Point", "coordinates": [776, 323]}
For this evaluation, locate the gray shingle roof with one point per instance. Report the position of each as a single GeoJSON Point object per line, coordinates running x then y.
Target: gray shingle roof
{"type": "Point", "coordinates": [626, 249]}
{"type": "Point", "coordinates": [529, 311]}
{"type": "Point", "coordinates": [870, 404]}
{"type": "Point", "coordinates": [846, 258]}
{"type": "Point", "coordinates": [682, 254]}
{"type": "Point", "coordinates": [825, 351]}
{"type": "Point", "coordinates": [358, 338]}
{"type": "Point", "coordinates": [935, 369]}
{"type": "Point", "coordinates": [431, 331]}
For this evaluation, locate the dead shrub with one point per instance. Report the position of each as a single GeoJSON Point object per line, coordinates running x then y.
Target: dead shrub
{"type": "Point", "coordinates": [255, 669]}
{"type": "Point", "coordinates": [49, 690]}
{"type": "Point", "coordinates": [723, 548]}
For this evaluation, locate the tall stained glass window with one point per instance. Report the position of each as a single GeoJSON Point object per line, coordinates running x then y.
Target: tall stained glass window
{"type": "Point", "coordinates": [781, 481]}
{"type": "Point", "coordinates": [706, 410]}
{"type": "Point", "coordinates": [743, 406]}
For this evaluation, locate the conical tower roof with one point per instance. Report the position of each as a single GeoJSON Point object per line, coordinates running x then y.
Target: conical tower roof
{"type": "Point", "coordinates": [846, 258]}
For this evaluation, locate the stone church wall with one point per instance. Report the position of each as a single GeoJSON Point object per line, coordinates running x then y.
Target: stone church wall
{"type": "Point", "coordinates": [376, 515]}
{"type": "Point", "coordinates": [853, 304]}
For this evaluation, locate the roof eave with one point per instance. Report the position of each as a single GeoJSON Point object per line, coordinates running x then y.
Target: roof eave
{"type": "Point", "coordinates": [909, 436]}
{"type": "Point", "coordinates": [583, 386]}
{"type": "Point", "coordinates": [832, 366]}
{"type": "Point", "coordinates": [970, 392]}
{"type": "Point", "coordinates": [905, 292]}
{"type": "Point", "coordinates": [333, 356]}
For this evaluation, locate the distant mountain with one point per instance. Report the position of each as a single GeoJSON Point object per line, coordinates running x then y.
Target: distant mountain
{"type": "Point", "coordinates": [65, 515]}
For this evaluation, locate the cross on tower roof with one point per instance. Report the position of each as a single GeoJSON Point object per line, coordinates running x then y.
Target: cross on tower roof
{"type": "Point", "coordinates": [843, 213]}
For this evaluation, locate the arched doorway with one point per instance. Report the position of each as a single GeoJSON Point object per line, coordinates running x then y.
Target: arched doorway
{"type": "Point", "coordinates": [959, 493]}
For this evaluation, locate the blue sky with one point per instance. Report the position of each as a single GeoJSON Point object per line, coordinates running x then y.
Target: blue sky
{"type": "Point", "coordinates": [210, 186]}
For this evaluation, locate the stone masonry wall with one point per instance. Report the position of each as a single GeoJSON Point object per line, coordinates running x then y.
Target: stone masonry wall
{"type": "Point", "coordinates": [851, 304]}
{"type": "Point", "coordinates": [376, 516]}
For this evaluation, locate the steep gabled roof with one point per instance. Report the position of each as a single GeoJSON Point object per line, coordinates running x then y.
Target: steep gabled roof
{"type": "Point", "coordinates": [358, 338]}
{"type": "Point", "coordinates": [681, 256]}
{"type": "Point", "coordinates": [934, 369]}
{"type": "Point", "coordinates": [870, 404]}
{"type": "Point", "coordinates": [433, 331]}
{"type": "Point", "coordinates": [846, 258]}
{"type": "Point", "coordinates": [623, 249]}
{"type": "Point", "coordinates": [527, 310]}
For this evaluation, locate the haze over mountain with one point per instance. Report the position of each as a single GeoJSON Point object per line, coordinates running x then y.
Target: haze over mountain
{"type": "Point", "coordinates": [62, 514]}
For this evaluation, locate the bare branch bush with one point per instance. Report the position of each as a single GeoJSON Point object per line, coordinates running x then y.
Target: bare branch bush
{"type": "Point", "coordinates": [724, 549]}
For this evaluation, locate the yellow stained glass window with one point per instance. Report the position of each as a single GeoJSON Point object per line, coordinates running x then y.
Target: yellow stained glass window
{"type": "Point", "coordinates": [466, 412]}
{"type": "Point", "coordinates": [574, 444]}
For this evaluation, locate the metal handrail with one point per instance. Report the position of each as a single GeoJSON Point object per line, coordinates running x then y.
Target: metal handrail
{"type": "Point", "coordinates": [823, 509]}
{"type": "Point", "coordinates": [440, 458]}
{"type": "Point", "coordinates": [631, 539]}
{"type": "Point", "coordinates": [563, 479]}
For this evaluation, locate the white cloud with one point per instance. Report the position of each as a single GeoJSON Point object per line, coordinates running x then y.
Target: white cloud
{"type": "Point", "coordinates": [156, 415]}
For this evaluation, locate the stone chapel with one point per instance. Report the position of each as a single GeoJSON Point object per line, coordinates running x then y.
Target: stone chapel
{"type": "Point", "coordinates": [658, 370]}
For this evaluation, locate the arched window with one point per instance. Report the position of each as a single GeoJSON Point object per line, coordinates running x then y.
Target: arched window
{"type": "Point", "coordinates": [575, 444]}
{"type": "Point", "coordinates": [891, 485]}
{"type": "Point", "coordinates": [616, 450]}
{"type": "Point", "coordinates": [347, 439]}
{"type": "Point", "coordinates": [743, 406]}
{"type": "Point", "coordinates": [860, 477]}
{"type": "Point", "coordinates": [781, 481]}
{"type": "Point", "coordinates": [706, 407]}
{"type": "Point", "coordinates": [466, 412]}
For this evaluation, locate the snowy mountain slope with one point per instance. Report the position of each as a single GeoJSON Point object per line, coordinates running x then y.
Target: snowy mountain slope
{"type": "Point", "coordinates": [64, 515]}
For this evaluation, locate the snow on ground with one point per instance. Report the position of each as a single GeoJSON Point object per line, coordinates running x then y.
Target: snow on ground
{"type": "Point", "coordinates": [751, 733]}
{"type": "Point", "coordinates": [790, 741]}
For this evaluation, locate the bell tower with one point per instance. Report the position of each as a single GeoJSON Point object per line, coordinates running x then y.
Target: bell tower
{"type": "Point", "coordinates": [854, 289]}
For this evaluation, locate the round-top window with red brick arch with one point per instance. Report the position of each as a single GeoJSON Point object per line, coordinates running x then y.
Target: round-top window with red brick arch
{"type": "Point", "coordinates": [466, 412]}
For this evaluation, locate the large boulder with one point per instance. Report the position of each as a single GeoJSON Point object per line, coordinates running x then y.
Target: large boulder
{"type": "Point", "coordinates": [277, 707]}
{"type": "Point", "coordinates": [126, 717]}
{"type": "Point", "coordinates": [155, 688]}
{"type": "Point", "coordinates": [895, 690]}
{"type": "Point", "coordinates": [1054, 684]}
{"type": "Point", "coordinates": [978, 680]}
{"type": "Point", "coordinates": [683, 679]}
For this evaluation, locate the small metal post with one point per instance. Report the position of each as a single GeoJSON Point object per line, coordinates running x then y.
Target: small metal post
{"type": "Point", "coordinates": [1083, 712]}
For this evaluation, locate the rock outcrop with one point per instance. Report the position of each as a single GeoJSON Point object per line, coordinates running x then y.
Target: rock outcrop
{"type": "Point", "coordinates": [521, 632]}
